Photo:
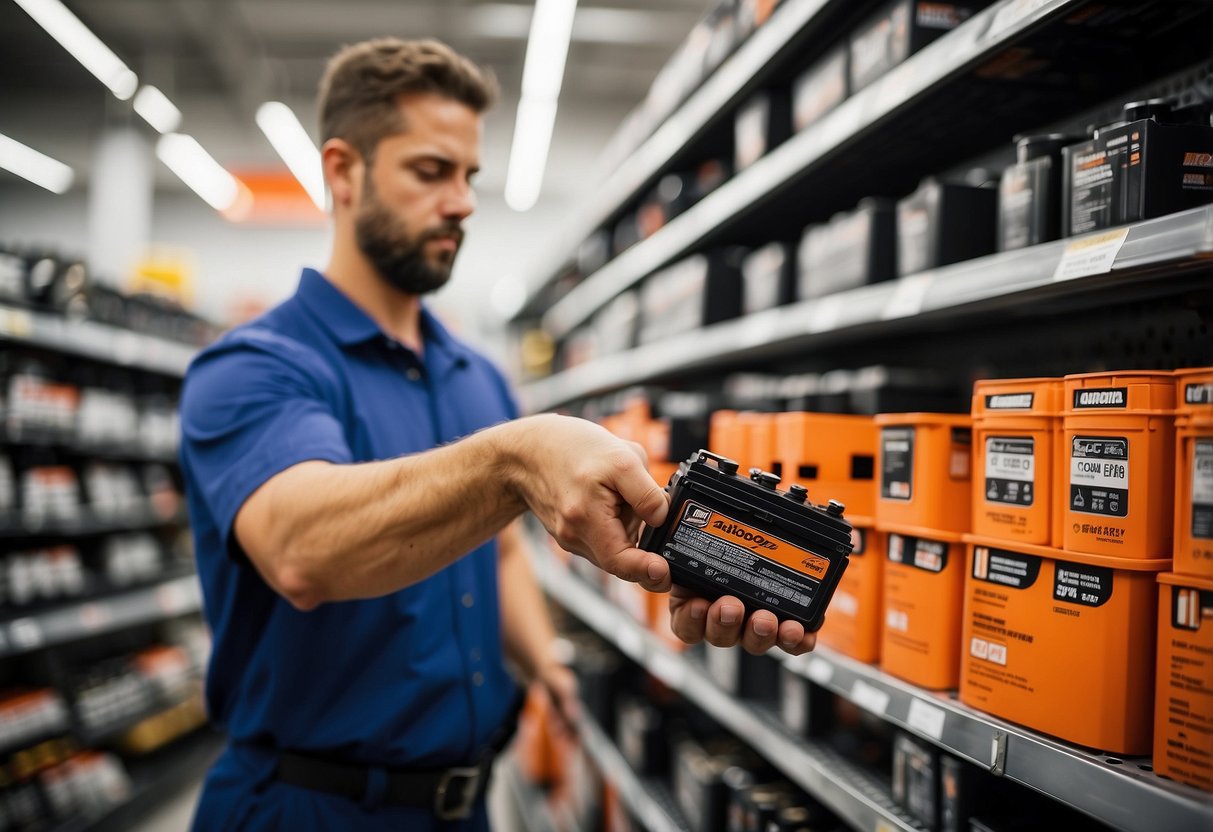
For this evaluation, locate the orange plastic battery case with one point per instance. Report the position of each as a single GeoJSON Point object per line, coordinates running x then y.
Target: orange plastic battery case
{"type": "Point", "coordinates": [853, 623]}
{"type": "Point", "coordinates": [1119, 455]}
{"type": "Point", "coordinates": [1015, 425]}
{"type": "Point", "coordinates": [924, 470]}
{"type": "Point", "coordinates": [1061, 642]}
{"type": "Point", "coordinates": [833, 456]}
{"type": "Point", "coordinates": [1183, 700]}
{"type": "Point", "coordinates": [1194, 469]}
{"type": "Point", "coordinates": [923, 593]}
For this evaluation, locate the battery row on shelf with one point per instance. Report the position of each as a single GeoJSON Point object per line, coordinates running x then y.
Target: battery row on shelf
{"type": "Point", "coordinates": [1061, 530]}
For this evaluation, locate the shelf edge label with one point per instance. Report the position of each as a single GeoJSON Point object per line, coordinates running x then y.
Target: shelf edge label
{"type": "Point", "coordinates": [1094, 254]}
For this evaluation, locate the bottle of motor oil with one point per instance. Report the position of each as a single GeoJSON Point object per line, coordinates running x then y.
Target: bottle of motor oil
{"type": "Point", "coordinates": [728, 535]}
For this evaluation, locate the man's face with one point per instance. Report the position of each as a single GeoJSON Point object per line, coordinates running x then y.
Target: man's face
{"type": "Point", "coordinates": [417, 192]}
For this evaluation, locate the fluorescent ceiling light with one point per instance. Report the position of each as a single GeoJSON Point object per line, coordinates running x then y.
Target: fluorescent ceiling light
{"type": "Point", "coordinates": [84, 46]}
{"type": "Point", "coordinates": [156, 109]}
{"type": "Point", "coordinates": [596, 24]}
{"type": "Point", "coordinates": [542, 74]}
{"type": "Point", "coordinates": [196, 168]}
{"type": "Point", "coordinates": [36, 167]}
{"type": "Point", "coordinates": [280, 125]}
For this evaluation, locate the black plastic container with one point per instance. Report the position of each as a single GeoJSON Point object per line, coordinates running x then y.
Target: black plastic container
{"type": "Point", "coordinates": [916, 778]}
{"type": "Point", "coordinates": [769, 277]}
{"type": "Point", "coordinates": [702, 289]}
{"type": "Point", "coordinates": [1029, 195]}
{"type": "Point", "coordinates": [820, 88]}
{"type": "Point", "coordinates": [898, 31]}
{"type": "Point", "coordinates": [854, 248]}
{"type": "Point", "coordinates": [762, 124]}
{"type": "Point", "coordinates": [943, 223]}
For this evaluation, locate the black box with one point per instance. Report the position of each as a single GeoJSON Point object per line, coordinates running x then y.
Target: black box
{"type": "Point", "coordinates": [762, 124]}
{"type": "Point", "coordinates": [703, 289]}
{"type": "Point", "coordinates": [897, 32]}
{"type": "Point", "coordinates": [1029, 194]}
{"type": "Point", "coordinates": [943, 223]}
{"type": "Point", "coordinates": [916, 778]}
{"type": "Point", "coordinates": [742, 674]}
{"type": "Point", "coordinates": [958, 797]}
{"type": "Point", "coordinates": [820, 88]}
{"type": "Point", "coordinates": [769, 275]}
{"type": "Point", "coordinates": [640, 732]}
{"type": "Point", "coordinates": [699, 787]}
{"type": "Point", "coordinates": [853, 249]}
{"type": "Point", "coordinates": [794, 701]}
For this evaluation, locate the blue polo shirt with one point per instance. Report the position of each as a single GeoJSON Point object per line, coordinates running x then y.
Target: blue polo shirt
{"type": "Point", "coordinates": [415, 678]}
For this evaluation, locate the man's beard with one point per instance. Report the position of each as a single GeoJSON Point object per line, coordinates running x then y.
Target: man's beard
{"type": "Point", "coordinates": [398, 257]}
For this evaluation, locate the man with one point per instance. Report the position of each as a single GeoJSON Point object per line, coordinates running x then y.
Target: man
{"type": "Point", "coordinates": [354, 473]}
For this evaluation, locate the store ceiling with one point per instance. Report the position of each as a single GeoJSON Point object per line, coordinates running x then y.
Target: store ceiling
{"type": "Point", "coordinates": [219, 59]}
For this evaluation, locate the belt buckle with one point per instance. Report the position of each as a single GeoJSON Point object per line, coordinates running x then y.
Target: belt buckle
{"type": "Point", "coordinates": [469, 780]}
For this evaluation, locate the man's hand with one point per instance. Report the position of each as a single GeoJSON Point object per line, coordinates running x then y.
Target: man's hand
{"type": "Point", "coordinates": [591, 491]}
{"type": "Point", "coordinates": [560, 686]}
{"type": "Point", "coordinates": [722, 623]}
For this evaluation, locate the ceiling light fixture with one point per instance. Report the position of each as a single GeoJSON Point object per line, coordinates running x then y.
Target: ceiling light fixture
{"type": "Point", "coordinates": [199, 170]}
{"type": "Point", "coordinates": [156, 109]}
{"type": "Point", "coordinates": [36, 167]}
{"type": "Point", "coordinates": [542, 74]}
{"type": "Point", "coordinates": [289, 137]}
{"type": "Point", "coordinates": [84, 46]}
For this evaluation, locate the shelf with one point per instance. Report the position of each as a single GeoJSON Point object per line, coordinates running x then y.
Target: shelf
{"type": "Point", "coordinates": [92, 737]}
{"type": "Point", "coordinates": [1117, 793]}
{"type": "Point", "coordinates": [1003, 279]}
{"type": "Point", "coordinates": [88, 523]}
{"type": "Point", "coordinates": [648, 800]}
{"type": "Point", "coordinates": [531, 801]}
{"type": "Point", "coordinates": [84, 619]}
{"type": "Point", "coordinates": [41, 438]}
{"type": "Point", "coordinates": [791, 21]}
{"type": "Point", "coordinates": [95, 341]}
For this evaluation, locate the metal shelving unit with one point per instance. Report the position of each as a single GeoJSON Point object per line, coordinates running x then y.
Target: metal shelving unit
{"type": "Point", "coordinates": [88, 523]}
{"type": "Point", "coordinates": [1119, 792]}
{"type": "Point", "coordinates": [531, 801]}
{"type": "Point", "coordinates": [648, 800]}
{"type": "Point", "coordinates": [1178, 241]}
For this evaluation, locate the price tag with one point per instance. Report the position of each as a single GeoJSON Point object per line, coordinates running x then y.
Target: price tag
{"type": "Point", "coordinates": [820, 671]}
{"type": "Point", "coordinates": [869, 698]}
{"type": "Point", "coordinates": [16, 322]}
{"type": "Point", "coordinates": [1095, 254]}
{"type": "Point", "coordinates": [668, 668]}
{"type": "Point", "coordinates": [824, 314]}
{"type": "Point", "coordinates": [26, 633]}
{"type": "Point", "coordinates": [927, 719]}
{"type": "Point", "coordinates": [908, 295]}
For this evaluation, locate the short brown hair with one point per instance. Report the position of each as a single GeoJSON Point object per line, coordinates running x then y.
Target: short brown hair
{"type": "Point", "coordinates": [361, 85]}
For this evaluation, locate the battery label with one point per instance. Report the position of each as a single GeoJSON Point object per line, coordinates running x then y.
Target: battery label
{"type": "Point", "coordinates": [1010, 569]}
{"type": "Point", "coordinates": [1090, 586]}
{"type": "Point", "coordinates": [928, 555]}
{"type": "Point", "coordinates": [1010, 470]}
{"type": "Point", "coordinates": [1201, 393]}
{"type": "Point", "coordinates": [743, 559]}
{"type": "Point", "coordinates": [1099, 475]}
{"type": "Point", "coordinates": [896, 463]}
{"type": "Point", "coordinates": [1202, 489]}
{"type": "Point", "coordinates": [1190, 607]}
{"type": "Point", "coordinates": [1010, 401]}
{"type": "Point", "coordinates": [1091, 191]}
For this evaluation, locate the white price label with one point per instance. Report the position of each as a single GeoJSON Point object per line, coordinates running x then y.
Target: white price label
{"type": "Point", "coordinates": [820, 671]}
{"type": "Point", "coordinates": [869, 698]}
{"type": "Point", "coordinates": [909, 293]}
{"type": "Point", "coordinates": [1094, 254]}
{"type": "Point", "coordinates": [927, 719]}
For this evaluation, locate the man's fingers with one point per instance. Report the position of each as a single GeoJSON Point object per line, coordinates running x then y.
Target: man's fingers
{"type": "Point", "coordinates": [633, 483]}
{"type": "Point", "coordinates": [760, 633]}
{"type": "Point", "coordinates": [793, 640]}
{"type": "Point", "coordinates": [688, 615]}
{"type": "Point", "coordinates": [645, 568]}
{"type": "Point", "coordinates": [724, 622]}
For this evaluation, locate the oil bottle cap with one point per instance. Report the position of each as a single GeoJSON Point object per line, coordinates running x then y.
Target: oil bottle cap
{"type": "Point", "coordinates": [765, 478]}
{"type": "Point", "coordinates": [798, 493]}
{"type": "Point", "coordinates": [1155, 108]}
{"type": "Point", "coordinates": [1035, 146]}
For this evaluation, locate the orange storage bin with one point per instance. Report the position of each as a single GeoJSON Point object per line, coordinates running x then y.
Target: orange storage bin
{"type": "Point", "coordinates": [923, 597]}
{"type": "Point", "coordinates": [833, 456]}
{"type": "Point", "coordinates": [1120, 457]}
{"type": "Point", "coordinates": [759, 431]}
{"type": "Point", "coordinates": [1015, 424]}
{"type": "Point", "coordinates": [853, 621]}
{"type": "Point", "coordinates": [1183, 702]}
{"type": "Point", "coordinates": [726, 435]}
{"type": "Point", "coordinates": [924, 468]}
{"type": "Point", "coordinates": [657, 447]}
{"type": "Point", "coordinates": [1061, 642]}
{"type": "Point", "coordinates": [1194, 466]}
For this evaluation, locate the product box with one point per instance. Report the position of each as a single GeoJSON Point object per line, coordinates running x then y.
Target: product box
{"type": "Point", "coordinates": [1029, 193]}
{"type": "Point", "coordinates": [853, 624]}
{"type": "Point", "coordinates": [820, 88]}
{"type": "Point", "coordinates": [854, 248]}
{"type": "Point", "coordinates": [916, 778]}
{"type": "Point", "coordinates": [701, 290]}
{"type": "Point", "coordinates": [924, 465]}
{"type": "Point", "coordinates": [769, 275]}
{"type": "Point", "coordinates": [1016, 427]}
{"type": "Point", "coordinates": [1183, 702]}
{"type": "Point", "coordinates": [897, 32]}
{"type": "Point", "coordinates": [762, 124]}
{"type": "Point", "coordinates": [1194, 472]}
{"type": "Point", "coordinates": [1148, 165]}
{"type": "Point", "coordinates": [923, 598]}
{"type": "Point", "coordinates": [1120, 454]}
{"type": "Point", "coordinates": [943, 223]}
{"type": "Point", "coordinates": [832, 455]}
{"type": "Point", "coordinates": [1061, 642]}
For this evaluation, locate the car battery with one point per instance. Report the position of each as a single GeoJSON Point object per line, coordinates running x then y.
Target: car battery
{"type": "Point", "coordinates": [943, 223]}
{"type": "Point", "coordinates": [854, 248]}
{"type": "Point", "coordinates": [640, 732]}
{"type": "Point", "coordinates": [1183, 699]}
{"type": "Point", "coordinates": [1120, 454]}
{"type": "Point", "coordinates": [701, 290]}
{"type": "Point", "coordinates": [708, 176]}
{"type": "Point", "coordinates": [769, 276]}
{"type": "Point", "coordinates": [820, 88]}
{"type": "Point", "coordinates": [897, 32]}
{"type": "Point", "coordinates": [924, 574]}
{"type": "Point", "coordinates": [924, 467]}
{"type": "Point", "coordinates": [737, 781]}
{"type": "Point", "coordinates": [916, 778]}
{"type": "Point", "coordinates": [742, 674]}
{"type": "Point", "coordinates": [832, 455]}
{"type": "Point", "coordinates": [958, 797]}
{"type": "Point", "coordinates": [1146, 165]}
{"type": "Point", "coordinates": [601, 673]}
{"type": "Point", "coordinates": [1016, 434]}
{"type": "Point", "coordinates": [757, 806]}
{"type": "Point", "coordinates": [1194, 469]}
{"type": "Point", "coordinates": [670, 197]}
{"type": "Point", "coordinates": [882, 389]}
{"type": "Point", "coordinates": [853, 626]}
{"type": "Point", "coordinates": [729, 535]}
{"type": "Point", "coordinates": [804, 816]}
{"type": "Point", "coordinates": [1062, 642]}
{"type": "Point", "coordinates": [795, 702]}
{"type": "Point", "coordinates": [614, 328]}
{"type": "Point", "coordinates": [1029, 193]}
{"type": "Point", "coordinates": [699, 786]}
{"type": "Point", "coordinates": [762, 124]}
